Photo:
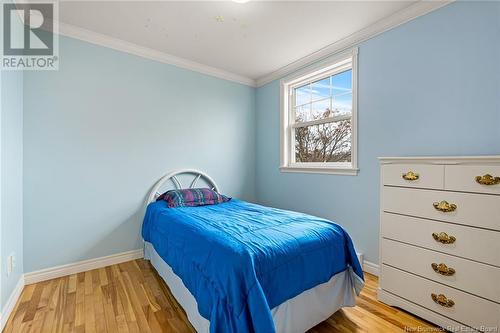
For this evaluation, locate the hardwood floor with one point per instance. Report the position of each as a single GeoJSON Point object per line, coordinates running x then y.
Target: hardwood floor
{"type": "Point", "coordinates": [131, 297]}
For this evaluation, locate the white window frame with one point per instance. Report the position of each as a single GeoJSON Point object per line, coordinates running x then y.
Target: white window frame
{"type": "Point", "coordinates": [331, 66]}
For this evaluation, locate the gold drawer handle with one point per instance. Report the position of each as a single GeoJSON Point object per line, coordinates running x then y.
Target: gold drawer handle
{"type": "Point", "coordinates": [444, 206]}
{"type": "Point", "coordinates": [488, 179]}
{"type": "Point", "coordinates": [442, 269]}
{"type": "Point", "coordinates": [411, 176]}
{"type": "Point", "coordinates": [442, 300]}
{"type": "Point", "coordinates": [443, 237]}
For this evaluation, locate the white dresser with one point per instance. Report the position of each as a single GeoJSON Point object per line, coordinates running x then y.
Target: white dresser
{"type": "Point", "coordinates": [440, 239]}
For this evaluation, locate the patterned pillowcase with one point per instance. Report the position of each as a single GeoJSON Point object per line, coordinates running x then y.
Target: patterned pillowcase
{"type": "Point", "coordinates": [192, 197]}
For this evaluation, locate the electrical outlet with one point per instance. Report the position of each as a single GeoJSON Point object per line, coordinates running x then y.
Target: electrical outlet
{"type": "Point", "coordinates": [11, 263]}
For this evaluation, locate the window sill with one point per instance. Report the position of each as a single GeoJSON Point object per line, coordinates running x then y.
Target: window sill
{"type": "Point", "coordinates": [320, 170]}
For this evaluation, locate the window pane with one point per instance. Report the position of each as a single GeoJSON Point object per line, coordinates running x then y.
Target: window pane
{"type": "Point", "coordinates": [303, 95]}
{"type": "Point", "coordinates": [321, 89]}
{"type": "Point", "coordinates": [342, 104]}
{"type": "Point", "coordinates": [342, 82]}
{"type": "Point", "coordinates": [321, 109]}
{"type": "Point", "coordinates": [329, 142]}
{"type": "Point", "coordinates": [303, 113]}
{"type": "Point", "coordinates": [324, 98]}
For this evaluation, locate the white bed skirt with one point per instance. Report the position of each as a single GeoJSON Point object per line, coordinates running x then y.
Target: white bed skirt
{"type": "Point", "coordinates": [298, 314]}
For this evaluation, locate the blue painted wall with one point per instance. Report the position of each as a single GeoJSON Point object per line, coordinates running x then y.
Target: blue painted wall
{"type": "Point", "coordinates": [11, 180]}
{"type": "Point", "coordinates": [428, 87]}
{"type": "Point", "coordinates": [100, 131]}
{"type": "Point", "coordinates": [11, 195]}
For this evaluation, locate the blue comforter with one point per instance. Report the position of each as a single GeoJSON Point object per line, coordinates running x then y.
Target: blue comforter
{"type": "Point", "coordinates": [240, 260]}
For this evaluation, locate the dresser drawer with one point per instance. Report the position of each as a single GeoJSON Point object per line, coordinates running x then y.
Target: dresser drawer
{"type": "Point", "coordinates": [413, 175]}
{"type": "Point", "coordinates": [471, 209]}
{"type": "Point", "coordinates": [467, 309]}
{"type": "Point", "coordinates": [472, 243]}
{"type": "Point", "coordinates": [470, 276]}
{"type": "Point", "coordinates": [463, 178]}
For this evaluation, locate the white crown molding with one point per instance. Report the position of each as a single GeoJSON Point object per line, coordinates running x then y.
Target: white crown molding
{"type": "Point", "coordinates": [11, 302]}
{"type": "Point", "coordinates": [145, 52]}
{"type": "Point", "coordinates": [412, 12]}
{"type": "Point", "coordinates": [81, 266]}
{"type": "Point", "coordinates": [416, 10]}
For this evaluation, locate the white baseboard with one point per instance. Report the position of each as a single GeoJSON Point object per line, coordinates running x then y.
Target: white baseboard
{"type": "Point", "coordinates": [11, 302]}
{"type": "Point", "coordinates": [367, 266]}
{"type": "Point", "coordinates": [371, 268]}
{"type": "Point", "coordinates": [360, 257]}
{"type": "Point", "coordinates": [59, 271]}
{"type": "Point", "coordinates": [81, 266]}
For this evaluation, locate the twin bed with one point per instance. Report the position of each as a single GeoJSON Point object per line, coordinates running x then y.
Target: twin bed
{"type": "Point", "coordinates": [241, 267]}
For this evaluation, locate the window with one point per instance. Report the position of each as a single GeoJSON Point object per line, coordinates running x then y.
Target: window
{"type": "Point", "coordinates": [318, 118]}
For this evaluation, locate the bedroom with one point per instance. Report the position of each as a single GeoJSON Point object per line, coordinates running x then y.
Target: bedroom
{"type": "Point", "coordinates": [379, 116]}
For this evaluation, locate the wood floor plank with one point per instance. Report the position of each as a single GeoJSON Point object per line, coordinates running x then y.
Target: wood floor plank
{"type": "Point", "coordinates": [131, 297]}
{"type": "Point", "coordinates": [80, 301]}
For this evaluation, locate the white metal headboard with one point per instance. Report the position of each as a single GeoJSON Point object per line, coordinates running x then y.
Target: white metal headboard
{"type": "Point", "coordinates": [173, 177]}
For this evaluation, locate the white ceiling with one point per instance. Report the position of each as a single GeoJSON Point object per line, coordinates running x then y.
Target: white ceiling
{"type": "Point", "coordinates": [252, 39]}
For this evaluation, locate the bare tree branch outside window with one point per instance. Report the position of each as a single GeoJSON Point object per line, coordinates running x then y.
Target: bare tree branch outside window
{"type": "Point", "coordinates": [328, 142]}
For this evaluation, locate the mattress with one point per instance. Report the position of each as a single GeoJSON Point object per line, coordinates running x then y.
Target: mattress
{"type": "Point", "coordinates": [297, 314]}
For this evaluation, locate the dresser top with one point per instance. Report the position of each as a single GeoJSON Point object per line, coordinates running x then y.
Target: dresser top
{"type": "Point", "coordinates": [481, 159]}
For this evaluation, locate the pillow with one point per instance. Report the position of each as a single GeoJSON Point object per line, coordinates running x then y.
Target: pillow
{"type": "Point", "coordinates": [192, 197]}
